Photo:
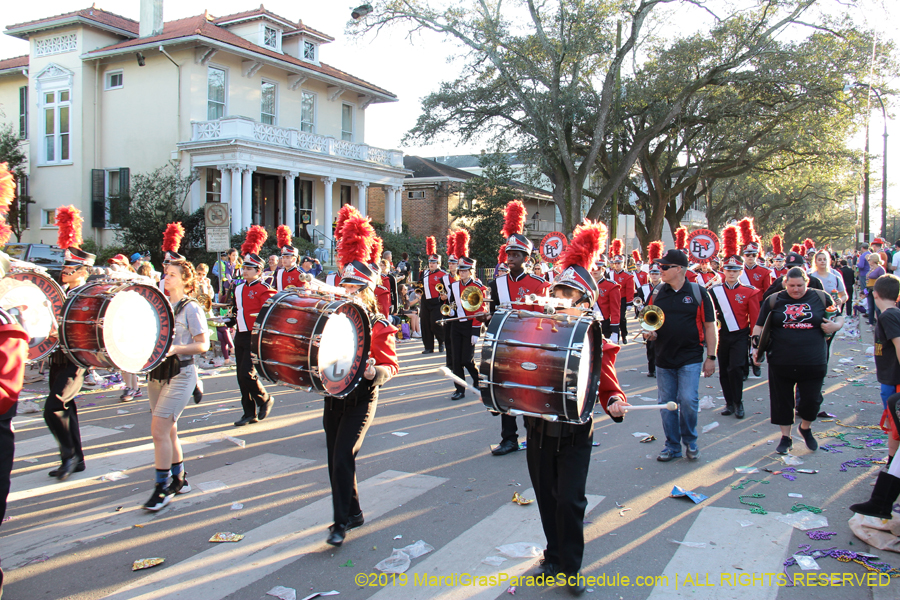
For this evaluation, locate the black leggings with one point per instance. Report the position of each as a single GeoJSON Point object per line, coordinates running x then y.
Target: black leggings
{"type": "Point", "coordinates": [808, 380]}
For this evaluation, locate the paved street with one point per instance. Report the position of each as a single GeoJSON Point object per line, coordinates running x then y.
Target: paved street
{"type": "Point", "coordinates": [426, 473]}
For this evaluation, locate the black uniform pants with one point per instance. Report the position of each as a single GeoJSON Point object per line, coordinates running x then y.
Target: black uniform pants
{"type": "Point", "coordinates": [60, 412]}
{"type": "Point", "coordinates": [651, 356]}
{"type": "Point", "coordinates": [346, 422]}
{"type": "Point", "coordinates": [253, 394]}
{"type": "Point", "coordinates": [428, 317]}
{"type": "Point", "coordinates": [558, 467]}
{"type": "Point", "coordinates": [783, 402]}
{"type": "Point", "coordinates": [463, 351]}
{"type": "Point", "coordinates": [623, 320]}
{"type": "Point", "coordinates": [7, 449]}
{"type": "Point", "coordinates": [732, 355]}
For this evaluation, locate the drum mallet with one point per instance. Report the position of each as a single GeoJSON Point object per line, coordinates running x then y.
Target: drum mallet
{"type": "Point", "coordinates": [449, 375]}
{"type": "Point", "coordinates": [670, 405]}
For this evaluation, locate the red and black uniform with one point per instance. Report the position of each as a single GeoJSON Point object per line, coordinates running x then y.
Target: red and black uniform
{"type": "Point", "coordinates": [737, 309]}
{"type": "Point", "coordinates": [642, 277]}
{"type": "Point", "coordinates": [461, 332]}
{"type": "Point", "coordinates": [346, 421]}
{"type": "Point", "coordinates": [690, 275]}
{"type": "Point", "coordinates": [609, 304]}
{"type": "Point", "coordinates": [776, 273]}
{"type": "Point", "coordinates": [512, 290]}
{"type": "Point", "coordinates": [333, 279]}
{"type": "Point", "coordinates": [626, 282]}
{"type": "Point", "coordinates": [383, 296]}
{"type": "Point", "coordinates": [757, 276]}
{"type": "Point", "coordinates": [704, 277]}
{"type": "Point", "coordinates": [285, 278]}
{"type": "Point", "coordinates": [558, 456]}
{"type": "Point", "coordinates": [644, 293]}
{"type": "Point", "coordinates": [430, 313]}
{"type": "Point", "coordinates": [14, 350]}
{"type": "Point", "coordinates": [247, 300]}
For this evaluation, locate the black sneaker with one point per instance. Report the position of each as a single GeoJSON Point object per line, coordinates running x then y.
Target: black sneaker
{"type": "Point", "coordinates": [179, 486]}
{"type": "Point", "coordinates": [807, 434]}
{"type": "Point", "coordinates": [159, 499]}
{"type": "Point", "coordinates": [785, 444]}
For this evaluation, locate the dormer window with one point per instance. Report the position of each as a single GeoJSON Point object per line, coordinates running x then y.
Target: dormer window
{"type": "Point", "coordinates": [309, 51]}
{"type": "Point", "coordinates": [270, 37]}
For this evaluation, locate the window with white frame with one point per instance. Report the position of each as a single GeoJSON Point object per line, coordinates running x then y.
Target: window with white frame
{"type": "Point", "coordinates": [347, 122]}
{"type": "Point", "coordinates": [308, 112]}
{"type": "Point", "coordinates": [270, 37]}
{"type": "Point", "coordinates": [23, 112]}
{"type": "Point", "coordinates": [48, 217]}
{"type": "Point", "coordinates": [309, 51]}
{"type": "Point", "coordinates": [213, 185]}
{"type": "Point", "coordinates": [115, 80]}
{"type": "Point", "coordinates": [216, 93]}
{"type": "Point", "coordinates": [116, 195]}
{"type": "Point", "coordinates": [57, 108]}
{"type": "Point", "coordinates": [268, 93]}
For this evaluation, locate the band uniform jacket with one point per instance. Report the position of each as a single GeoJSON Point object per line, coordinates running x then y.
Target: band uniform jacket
{"type": "Point", "coordinates": [642, 277]}
{"type": "Point", "coordinates": [429, 281]}
{"type": "Point", "coordinates": [333, 279]}
{"type": "Point", "coordinates": [507, 290]}
{"type": "Point", "coordinates": [758, 276]}
{"type": "Point", "coordinates": [626, 283]}
{"type": "Point", "coordinates": [14, 350]}
{"type": "Point", "coordinates": [737, 307]}
{"type": "Point", "coordinates": [609, 300]}
{"type": "Point", "coordinates": [285, 278]}
{"type": "Point", "coordinates": [704, 277]}
{"type": "Point", "coordinates": [455, 295]}
{"type": "Point", "coordinates": [776, 273]}
{"type": "Point", "coordinates": [383, 296]}
{"type": "Point", "coordinates": [383, 346]}
{"type": "Point", "coordinates": [247, 300]}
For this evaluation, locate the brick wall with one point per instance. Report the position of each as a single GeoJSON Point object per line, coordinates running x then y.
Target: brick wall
{"type": "Point", "coordinates": [424, 216]}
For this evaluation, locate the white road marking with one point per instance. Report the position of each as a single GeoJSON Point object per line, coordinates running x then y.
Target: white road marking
{"type": "Point", "coordinates": [226, 568]}
{"type": "Point", "coordinates": [47, 442]}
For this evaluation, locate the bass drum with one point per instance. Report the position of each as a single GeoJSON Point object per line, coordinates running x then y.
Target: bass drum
{"type": "Point", "coordinates": [311, 341]}
{"type": "Point", "coordinates": [115, 325]}
{"type": "Point", "coordinates": [546, 367]}
{"type": "Point", "coordinates": [36, 301]}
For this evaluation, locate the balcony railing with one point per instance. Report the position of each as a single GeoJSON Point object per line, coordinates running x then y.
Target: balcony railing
{"type": "Point", "coordinates": [230, 128]}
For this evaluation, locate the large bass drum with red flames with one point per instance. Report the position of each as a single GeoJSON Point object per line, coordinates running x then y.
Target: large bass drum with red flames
{"type": "Point", "coordinates": [116, 325]}
{"type": "Point", "coordinates": [312, 341]}
{"type": "Point", "coordinates": [36, 301]}
{"type": "Point", "coordinates": [546, 367]}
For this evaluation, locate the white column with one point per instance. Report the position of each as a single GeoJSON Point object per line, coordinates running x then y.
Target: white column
{"type": "Point", "coordinates": [225, 196]}
{"type": "Point", "coordinates": [388, 206]}
{"type": "Point", "coordinates": [398, 209]}
{"type": "Point", "coordinates": [237, 209]}
{"type": "Point", "coordinates": [196, 190]}
{"type": "Point", "coordinates": [363, 187]}
{"type": "Point", "coordinates": [246, 192]}
{"type": "Point", "coordinates": [328, 218]}
{"type": "Point", "coordinates": [394, 216]}
{"type": "Point", "coordinates": [290, 217]}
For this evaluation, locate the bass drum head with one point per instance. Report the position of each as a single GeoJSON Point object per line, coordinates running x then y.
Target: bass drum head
{"type": "Point", "coordinates": [36, 301]}
{"type": "Point", "coordinates": [343, 348]}
{"type": "Point", "coordinates": [137, 328]}
{"type": "Point", "coordinates": [589, 366]}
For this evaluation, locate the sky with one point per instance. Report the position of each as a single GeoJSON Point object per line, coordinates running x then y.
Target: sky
{"type": "Point", "coordinates": [409, 67]}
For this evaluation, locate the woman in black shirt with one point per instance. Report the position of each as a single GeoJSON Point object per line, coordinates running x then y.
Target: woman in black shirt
{"type": "Point", "coordinates": [797, 353]}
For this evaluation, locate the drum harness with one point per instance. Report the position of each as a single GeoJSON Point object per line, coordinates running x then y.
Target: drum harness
{"type": "Point", "coordinates": [171, 367]}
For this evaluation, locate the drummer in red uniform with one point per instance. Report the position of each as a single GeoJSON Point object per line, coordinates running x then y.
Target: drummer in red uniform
{"type": "Point", "coordinates": [559, 454]}
{"type": "Point", "coordinates": [288, 275]}
{"type": "Point", "coordinates": [778, 267]}
{"type": "Point", "coordinates": [464, 333]}
{"type": "Point", "coordinates": [430, 313]}
{"type": "Point", "coordinates": [346, 420]}
{"type": "Point", "coordinates": [626, 281]}
{"type": "Point", "coordinates": [608, 304]}
{"type": "Point", "coordinates": [248, 298]}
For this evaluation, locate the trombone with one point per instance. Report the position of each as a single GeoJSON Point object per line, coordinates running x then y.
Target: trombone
{"type": "Point", "coordinates": [471, 300]}
{"type": "Point", "coordinates": [651, 318]}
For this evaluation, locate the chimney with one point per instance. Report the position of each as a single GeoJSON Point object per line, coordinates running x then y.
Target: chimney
{"type": "Point", "coordinates": [151, 18]}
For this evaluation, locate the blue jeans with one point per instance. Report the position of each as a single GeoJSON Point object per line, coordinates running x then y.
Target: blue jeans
{"type": "Point", "coordinates": [682, 387]}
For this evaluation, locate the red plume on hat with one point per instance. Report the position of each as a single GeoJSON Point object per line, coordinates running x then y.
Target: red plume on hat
{"type": "Point", "coordinates": [7, 194]}
{"type": "Point", "coordinates": [430, 245]}
{"type": "Point", "coordinates": [654, 251]}
{"type": "Point", "coordinates": [172, 237]}
{"type": "Point", "coordinates": [748, 234]}
{"type": "Point", "coordinates": [730, 241]}
{"type": "Point", "coordinates": [462, 242]}
{"type": "Point", "coordinates": [797, 248]}
{"type": "Point", "coordinates": [357, 240]}
{"type": "Point", "coordinates": [283, 235]}
{"type": "Point", "coordinates": [256, 237]}
{"type": "Point", "coordinates": [451, 243]}
{"type": "Point", "coordinates": [588, 241]}
{"type": "Point", "coordinates": [808, 244]}
{"type": "Point", "coordinates": [615, 247]}
{"type": "Point", "coordinates": [636, 255]}
{"type": "Point", "coordinates": [681, 238]}
{"type": "Point", "coordinates": [777, 244]}
{"type": "Point", "coordinates": [343, 215]}
{"type": "Point", "coordinates": [68, 220]}
{"type": "Point", "coordinates": [377, 248]}
{"type": "Point", "coordinates": [501, 255]}
{"type": "Point", "coordinates": [513, 219]}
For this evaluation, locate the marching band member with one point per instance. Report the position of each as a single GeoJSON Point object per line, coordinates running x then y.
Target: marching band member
{"type": "Point", "coordinates": [706, 276]}
{"type": "Point", "coordinates": [457, 243]}
{"type": "Point", "coordinates": [432, 299]}
{"type": "Point", "coordinates": [288, 275]}
{"type": "Point", "coordinates": [640, 275]}
{"type": "Point", "coordinates": [346, 420]}
{"type": "Point", "coordinates": [559, 454]}
{"type": "Point", "coordinates": [778, 268]}
{"type": "Point", "coordinates": [452, 256]}
{"type": "Point", "coordinates": [60, 411]}
{"type": "Point", "coordinates": [608, 302]}
{"type": "Point", "coordinates": [737, 307]}
{"type": "Point", "coordinates": [681, 244]}
{"type": "Point", "coordinates": [247, 300]}
{"type": "Point", "coordinates": [512, 290]}
{"type": "Point", "coordinates": [626, 281]}
{"type": "Point", "coordinates": [172, 384]}
{"type": "Point", "coordinates": [383, 295]}
{"type": "Point", "coordinates": [464, 333]}
{"type": "Point", "coordinates": [754, 274]}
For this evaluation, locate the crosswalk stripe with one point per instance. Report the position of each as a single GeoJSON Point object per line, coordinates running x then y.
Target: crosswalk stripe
{"type": "Point", "coordinates": [47, 442]}
{"type": "Point", "coordinates": [758, 549]}
{"type": "Point", "coordinates": [226, 568]}
{"type": "Point", "coordinates": [509, 524]}
{"type": "Point", "coordinates": [90, 525]}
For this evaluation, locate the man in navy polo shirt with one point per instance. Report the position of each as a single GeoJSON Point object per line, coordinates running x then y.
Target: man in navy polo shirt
{"type": "Point", "coordinates": [685, 346]}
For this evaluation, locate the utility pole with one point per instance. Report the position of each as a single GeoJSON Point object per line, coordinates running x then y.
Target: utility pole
{"type": "Point", "coordinates": [614, 219]}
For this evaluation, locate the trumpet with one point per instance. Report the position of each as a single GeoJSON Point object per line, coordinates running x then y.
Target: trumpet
{"type": "Point", "coordinates": [440, 288]}
{"type": "Point", "coordinates": [714, 281]}
{"type": "Point", "coordinates": [448, 309]}
{"type": "Point", "coordinates": [472, 299]}
{"type": "Point", "coordinates": [637, 303]}
{"type": "Point", "coordinates": [205, 301]}
{"type": "Point", "coordinates": [651, 318]}
{"type": "Point", "coordinates": [419, 288]}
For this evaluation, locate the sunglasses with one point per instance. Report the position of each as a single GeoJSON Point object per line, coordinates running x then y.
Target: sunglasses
{"type": "Point", "coordinates": [753, 254]}
{"type": "Point", "coordinates": [667, 267]}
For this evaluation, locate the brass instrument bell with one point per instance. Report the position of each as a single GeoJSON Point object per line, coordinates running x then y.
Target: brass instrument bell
{"type": "Point", "coordinates": [651, 318]}
{"type": "Point", "coordinates": [205, 301]}
{"type": "Point", "coordinates": [440, 288]}
{"type": "Point", "coordinates": [446, 309]}
{"type": "Point", "coordinates": [472, 299]}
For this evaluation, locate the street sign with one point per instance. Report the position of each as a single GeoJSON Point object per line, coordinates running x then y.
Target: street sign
{"type": "Point", "coordinates": [216, 215]}
{"type": "Point", "coordinates": [218, 239]}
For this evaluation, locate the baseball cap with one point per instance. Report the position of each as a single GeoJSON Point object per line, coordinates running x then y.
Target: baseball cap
{"type": "Point", "coordinates": [673, 257]}
{"type": "Point", "coordinates": [794, 260]}
{"type": "Point", "coordinates": [136, 257]}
